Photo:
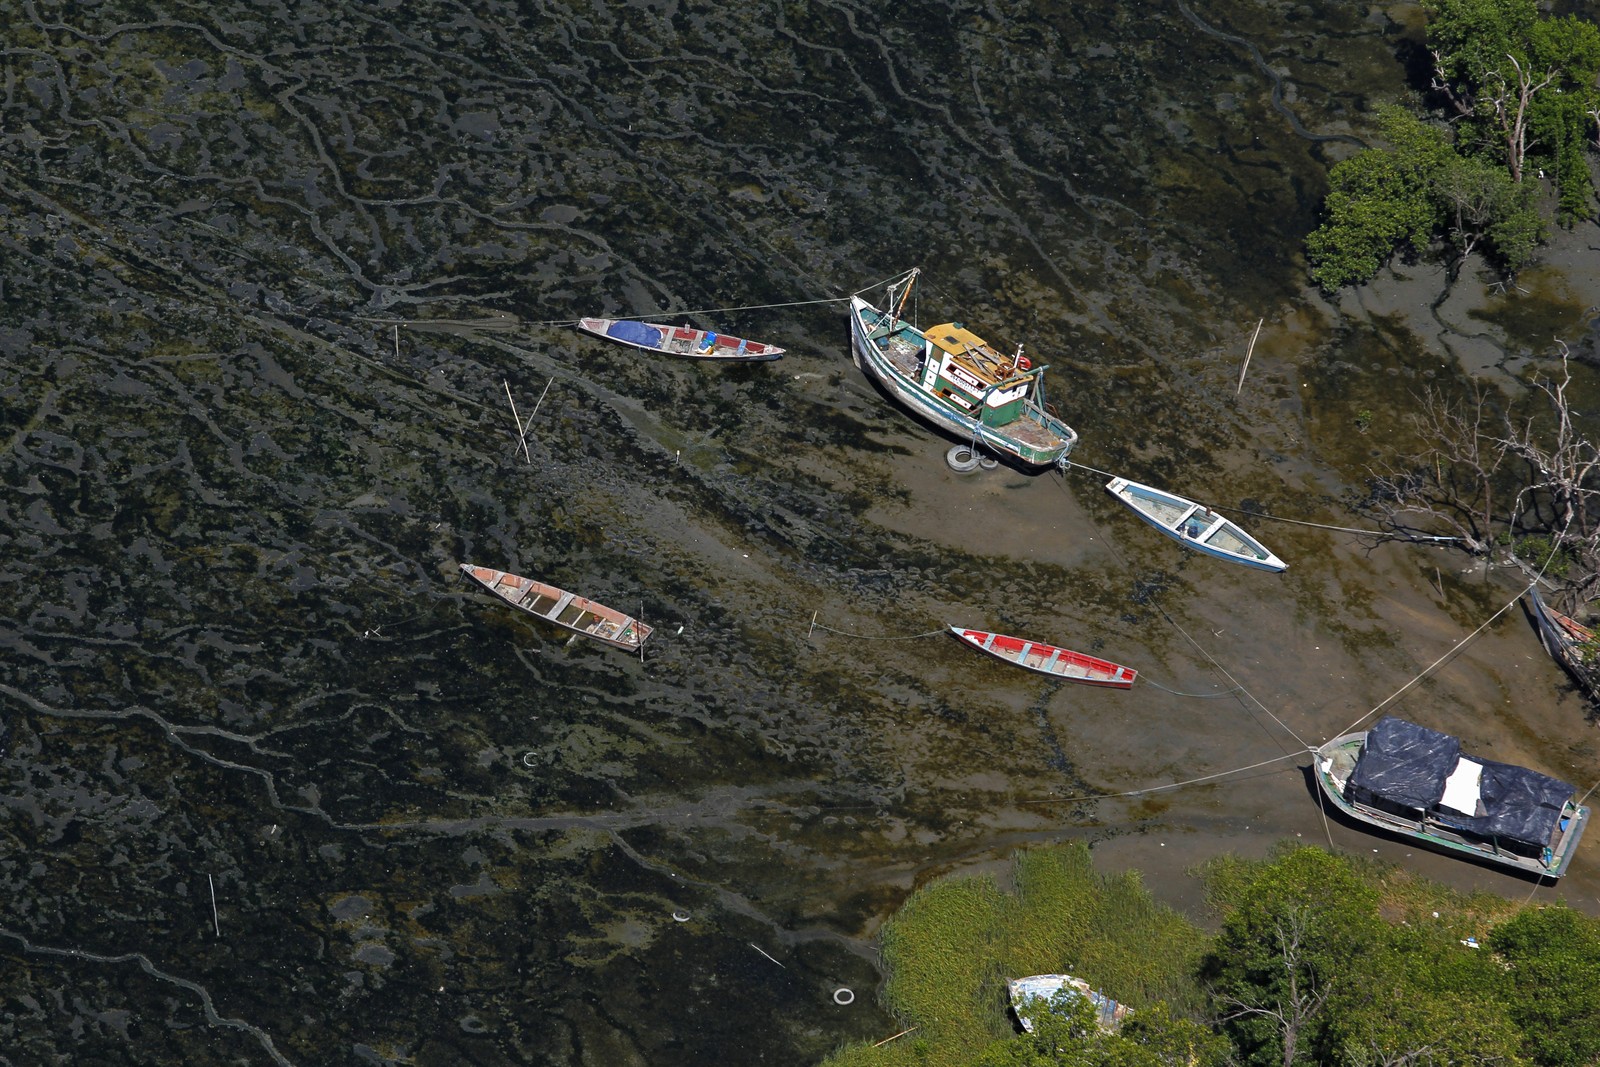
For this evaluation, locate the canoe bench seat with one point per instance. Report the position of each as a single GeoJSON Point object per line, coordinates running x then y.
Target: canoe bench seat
{"type": "Point", "coordinates": [539, 605]}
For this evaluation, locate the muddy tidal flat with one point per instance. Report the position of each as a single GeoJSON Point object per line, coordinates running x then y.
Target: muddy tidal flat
{"type": "Point", "coordinates": [278, 787]}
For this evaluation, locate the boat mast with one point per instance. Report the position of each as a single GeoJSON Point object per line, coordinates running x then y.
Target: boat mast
{"type": "Point", "coordinates": [911, 279]}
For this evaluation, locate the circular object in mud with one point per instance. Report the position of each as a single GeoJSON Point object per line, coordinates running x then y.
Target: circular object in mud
{"type": "Point", "coordinates": [988, 463]}
{"type": "Point", "coordinates": [680, 916]}
{"type": "Point", "coordinates": [843, 995]}
{"type": "Point", "coordinates": [963, 459]}
{"type": "Point", "coordinates": [527, 759]}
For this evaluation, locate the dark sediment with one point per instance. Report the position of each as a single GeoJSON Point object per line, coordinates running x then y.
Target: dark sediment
{"type": "Point", "coordinates": [240, 659]}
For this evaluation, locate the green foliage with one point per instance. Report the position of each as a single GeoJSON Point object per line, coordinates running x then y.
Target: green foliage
{"type": "Point", "coordinates": [1553, 955]}
{"type": "Point", "coordinates": [1564, 125]}
{"type": "Point", "coordinates": [949, 948]}
{"type": "Point", "coordinates": [1474, 37]}
{"type": "Point", "coordinates": [1304, 949]}
{"type": "Point", "coordinates": [1520, 88]}
{"type": "Point", "coordinates": [1379, 200]}
{"type": "Point", "coordinates": [1067, 1037]}
{"type": "Point", "coordinates": [1286, 948]}
{"type": "Point", "coordinates": [1541, 551]}
{"type": "Point", "coordinates": [1303, 938]}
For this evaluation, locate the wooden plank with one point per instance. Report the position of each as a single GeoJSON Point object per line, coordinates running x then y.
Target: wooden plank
{"type": "Point", "coordinates": [566, 598]}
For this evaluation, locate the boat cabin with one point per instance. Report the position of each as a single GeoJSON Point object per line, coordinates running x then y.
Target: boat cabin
{"type": "Point", "coordinates": [963, 370]}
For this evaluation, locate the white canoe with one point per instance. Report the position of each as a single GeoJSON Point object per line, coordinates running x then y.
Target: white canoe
{"type": "Point", "coordinates": [1194, 525]}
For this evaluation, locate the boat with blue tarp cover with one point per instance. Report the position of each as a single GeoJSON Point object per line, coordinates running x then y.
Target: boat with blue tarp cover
{"type": "Point", "coordinates": [681, 340]}
{"type": "Point", "coordinates": [952, 377]}
{"type": "Point", "coordinates": [1416, 782]}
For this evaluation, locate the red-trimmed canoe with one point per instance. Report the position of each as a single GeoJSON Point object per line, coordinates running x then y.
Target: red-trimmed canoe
{"type": "Point", "coordinates": [1061, 663]}
{"type": "Point", "coordinates": [680, 340]}
{"type": "Point", "coordinates": [567, 610]}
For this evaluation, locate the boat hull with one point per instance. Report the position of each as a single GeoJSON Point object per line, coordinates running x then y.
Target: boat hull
{"type": "Point", "coordinates": [682, 341]}
{"type": "Point", "coordinates": [1051, 660]}
{"type": "Point", "coordinates": [566, 610]}
{"type": "Point", "coordinates": [1341, 753]}
{"type": "Point", "coordinates": [876, 363]}
{"type": "Point", "coordinates": [1569, 642]}
{"type": "Point", "coordinates": [1213, 535]}
{"type": "Point", "coordinates": [1034, 994]}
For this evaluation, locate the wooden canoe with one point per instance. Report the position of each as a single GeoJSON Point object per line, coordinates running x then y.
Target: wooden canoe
{"type": "Point", "coordinates": [1061, 663]}
{"type": "Point", "coordinates": [567, 610]}
{"type": "Point", "coordinates": [1194, 525]}
{"type": "Point", "coordinates": [1569, 642]}
{"type": "Point", "coordinates": [680, 340]}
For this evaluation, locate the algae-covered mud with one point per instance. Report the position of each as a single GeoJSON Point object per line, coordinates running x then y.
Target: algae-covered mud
{"type": "Point", "coordinates": [278, 787]}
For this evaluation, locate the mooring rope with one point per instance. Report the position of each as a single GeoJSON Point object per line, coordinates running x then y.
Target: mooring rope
{"type": "Point", "coordinates": [1197, 696]}
{"type": "Point", "coordinates": [1296, 522]}
{"type": "Point", "coordinates": [1164, 786]}
{"type": "Point", "coordinates": [698, 311]}
{"type": "Point", "coordinates": [815, 625]}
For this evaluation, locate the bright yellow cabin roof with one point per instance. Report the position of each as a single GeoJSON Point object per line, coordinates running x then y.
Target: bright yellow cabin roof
{"type": "Point", "coordinates": [954, 337]}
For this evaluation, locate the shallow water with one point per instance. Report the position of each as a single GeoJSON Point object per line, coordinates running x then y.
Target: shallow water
{"type": "Point", "coordinates": [280, 788]}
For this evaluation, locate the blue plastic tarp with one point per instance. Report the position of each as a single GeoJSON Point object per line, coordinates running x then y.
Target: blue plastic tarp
{"type": "Point", "coordinates": [1403, 765]}
{"type": "Point", "coordinates": [635, 333]}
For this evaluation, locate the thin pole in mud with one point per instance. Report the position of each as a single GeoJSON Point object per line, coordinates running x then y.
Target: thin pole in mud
{"type": "Point", "coordinates": [886, 1040]}
{"type": "Point", "coordinates": [765, 953]}
{"type": "Point", "coordinates": [397, 340]}
{"type": "Point", "coordinates": [641, 623]}
{"type": "Point", "coordinates": [214, 920]}
{"type": "Point", "coordinates": [1247, 354]}
{"type": "Point", "coordinates": [516, 420]}
{"type": "Point", "coordinates": [813, 624]}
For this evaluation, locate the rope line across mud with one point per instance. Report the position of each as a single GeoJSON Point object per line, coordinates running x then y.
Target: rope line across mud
{"type": "Point", "coordinates": [1296, 522]}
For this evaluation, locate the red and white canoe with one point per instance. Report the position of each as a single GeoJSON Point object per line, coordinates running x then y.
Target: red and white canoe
{"type": "Point", "coordinates": [680, 340]}
{"type": "Point", "coordinates": [567, 610]}
{"type": "Point", "coordinates": [1061, 663]}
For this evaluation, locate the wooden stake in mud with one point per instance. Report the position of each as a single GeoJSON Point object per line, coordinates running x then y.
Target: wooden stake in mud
{"type": "Point", "coordinates": [397, 340]}
{"type": "Point", "coordinates": [1247, 353]}
{"type": "Point", "coordinates": [516, 421]}
{"type": "Point", "coordinates": [537, 404]}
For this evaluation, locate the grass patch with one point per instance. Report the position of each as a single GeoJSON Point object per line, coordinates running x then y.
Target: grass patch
{"type": "Point", "coordinates": [950, 948]}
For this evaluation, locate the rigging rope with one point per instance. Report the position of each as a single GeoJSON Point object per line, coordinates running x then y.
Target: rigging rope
{"type": "Point", "coordinates": [1279, 518]}
{"type": "Point", "coordinates": [815, 625]}
{"type": "Point", "coordinates": [1164, 786]}
{"type": "Point", "coordinates": [700, 311]}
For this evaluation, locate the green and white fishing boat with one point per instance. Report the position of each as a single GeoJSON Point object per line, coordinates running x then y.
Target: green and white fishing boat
{"type": "Point", "coordinates": [952, 378]}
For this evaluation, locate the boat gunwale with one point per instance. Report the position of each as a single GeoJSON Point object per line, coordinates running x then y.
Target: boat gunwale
{"type": "Point", "coordinates": [1116, 671]}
